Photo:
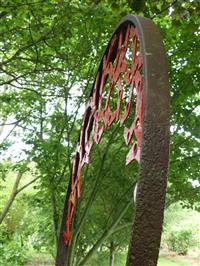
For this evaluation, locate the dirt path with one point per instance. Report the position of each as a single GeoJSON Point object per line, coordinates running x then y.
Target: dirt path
{"type": "Point", "coordinates": [40, 259]}
{"type": "Point", "coordinates": [40, 262]}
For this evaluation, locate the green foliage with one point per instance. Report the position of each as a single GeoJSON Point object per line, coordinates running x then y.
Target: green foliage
{"type": "Point", "coordinates": [4, 169]}
{"type": "Point", "coordinates": [180, 241]}
{"type": "Point", "coordinates": [181, 229]}
{"type": "Point", "coordinates": [50, 52]}
{"type": "Point", "coordinates": [102, 258]}
{"type": "Point", "coordinates": [12, 249]}
{"type": "Point", "coordinates": [114, 184]}
{"type": "Point", "coordinates": [26, 227]}
{"type": "Point", "coordinates": [13, 253]}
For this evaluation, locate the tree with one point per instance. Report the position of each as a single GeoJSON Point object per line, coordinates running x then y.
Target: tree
{"type": "Point", "coordinates": [16, 189]}
{"type": "Point", "coordinates": [50, 51]}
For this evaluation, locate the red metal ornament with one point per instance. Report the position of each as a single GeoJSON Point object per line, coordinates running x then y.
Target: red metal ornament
{"type": "Point", "coordinates": [98, 118]}
{"type": "Point", "coordinates": [132, 75]}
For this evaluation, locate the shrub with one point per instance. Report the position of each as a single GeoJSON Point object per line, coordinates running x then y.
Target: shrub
{"type": "Point", "coordinates": [12, 253]}
{"type": "Point", "coordinates": [180, 241]}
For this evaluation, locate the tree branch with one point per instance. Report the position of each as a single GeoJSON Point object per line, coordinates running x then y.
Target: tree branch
{"type": "Point", "coordinates": [12, 195]}
{"type": "Point", "coordinates": [185, 158]}
{"type": "Point", "coordinates": [91, 198]}
{"type": "Point", "coordinates": [165, 9]}
{"type": "Point", "coordinates": [26, 185]}
{"type": "Point", "coordinates": [105, 235]}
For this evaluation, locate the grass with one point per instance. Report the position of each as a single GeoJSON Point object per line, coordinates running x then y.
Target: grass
{"type": "Point", "coordinates": [166, 262]}
{"type": "Point", "coordinates": [99, 259]}
{"type": "Point", "coordinates": [120, 260]}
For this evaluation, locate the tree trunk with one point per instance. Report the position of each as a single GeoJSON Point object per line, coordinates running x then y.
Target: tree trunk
{"type": "Point", "coordinates": [63, 250]}
{"type": "Point", "coordinates": [12, 197]}
{"type": "Point", "coordinates": [14, 193]}
{"type": "Point", "coordinates": [55, 216]}
{"type": "Point", "coordinates": [7, 206]}
{"type": "Point", "coordinates": [112, 253]}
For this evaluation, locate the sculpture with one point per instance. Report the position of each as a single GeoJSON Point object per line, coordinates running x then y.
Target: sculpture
{"type": "Point", "coordinates": [134, 58]}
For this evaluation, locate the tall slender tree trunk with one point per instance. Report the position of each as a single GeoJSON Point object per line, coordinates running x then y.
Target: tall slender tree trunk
{"type": "Point", "coordinates": [15, 191]}
{"type": "Point", "coordinates": [55, 216]}
{"type": "Point", "coordinates": [12, 197]}
{"type": "Point", "coordinates": [7, 206]}
{"type": "Point", "coordinates": [112, 254]}
{"type": "Point", "coordinates": [63, 250]}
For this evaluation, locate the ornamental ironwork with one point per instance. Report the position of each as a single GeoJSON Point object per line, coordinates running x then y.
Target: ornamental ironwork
{"type": "Point", "coordinates": [132, 75]}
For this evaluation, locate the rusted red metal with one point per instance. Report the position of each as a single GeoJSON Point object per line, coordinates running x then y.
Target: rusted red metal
{"type": "Point", "coordinates": [98, 118]}
{"type": "Point", "coordinates": [133, 59]}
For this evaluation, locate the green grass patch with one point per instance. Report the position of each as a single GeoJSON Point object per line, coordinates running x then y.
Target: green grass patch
{"type": "Point", "coordinates": [120, 260]}
{"type": "Point", "coordinates": [100, 258]}
{"type": "Point", "coordinates": [168, 262]}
